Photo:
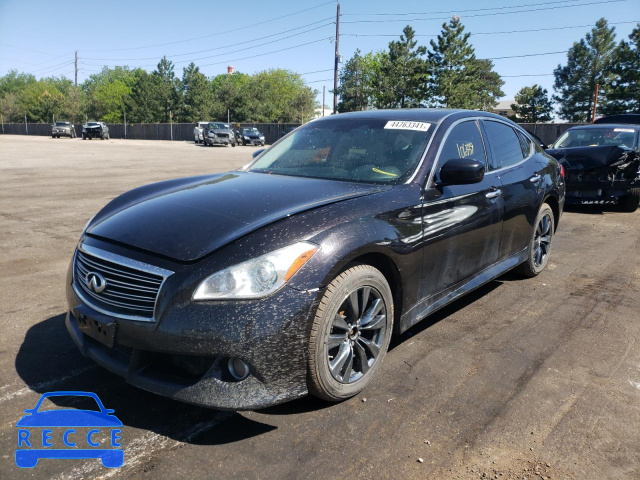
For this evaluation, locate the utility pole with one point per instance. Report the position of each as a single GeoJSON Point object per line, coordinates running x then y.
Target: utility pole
{"type": "Point", "coordinates": [336, 61]}
{"type": "Point", "coordinates": [228, 115]}
{"type": "Point", "coordinates": [595, 103]}
{"type": "Point", "coordinates": [323, 89]}
{"type": "Point", "coordinates": [76, 68]}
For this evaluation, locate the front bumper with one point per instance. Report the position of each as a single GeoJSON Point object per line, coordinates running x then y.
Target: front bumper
{"type": "Point", "coordinates": [62, 133]}
{"type": "Point", "coordinates": [598, 192]}
{"type": "Point", "coordinates": [220, 140]}
{"type": "Point", "coordinates": [253, 141]}
{"type": "Point", "coordinates": [184, 354]}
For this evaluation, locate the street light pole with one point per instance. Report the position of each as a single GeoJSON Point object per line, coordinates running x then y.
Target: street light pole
{"type": "Point", "coordinates": [336, 61]}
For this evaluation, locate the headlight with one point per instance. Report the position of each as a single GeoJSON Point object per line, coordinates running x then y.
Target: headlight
{"type": "Point", "coordinates": [257, 277]}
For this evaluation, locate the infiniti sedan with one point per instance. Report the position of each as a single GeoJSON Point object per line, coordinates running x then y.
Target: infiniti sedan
{"type": "Point", "coordinates": [249, 288]}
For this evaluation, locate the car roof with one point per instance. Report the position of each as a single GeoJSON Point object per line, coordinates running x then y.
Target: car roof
{"type": "Point", "coordinates": [414, 114]}
{"type": "Point", "coordinates": [607, 125]}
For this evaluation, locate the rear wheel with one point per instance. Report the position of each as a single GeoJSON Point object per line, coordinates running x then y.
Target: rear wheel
{"type": "Point", "coordinates": [631, 201]}
{"type": "Point", "coordinates": [350, 333]}
{"type": "Point", "coordinates": [540, 245]}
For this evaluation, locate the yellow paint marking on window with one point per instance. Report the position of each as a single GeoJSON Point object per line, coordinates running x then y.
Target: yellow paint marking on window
{"type": "Point", "coordinates": [465, 149]}
{"type": "Point", "coordinates": [377, 170]}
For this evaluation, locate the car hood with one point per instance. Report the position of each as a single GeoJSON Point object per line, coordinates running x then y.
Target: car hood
{"type": "Point", "coordinates": [221, 130]}
{"type": "Point", "coordinates": [586, 158]}
{"type": "Point", "coordinates": [196, 217]}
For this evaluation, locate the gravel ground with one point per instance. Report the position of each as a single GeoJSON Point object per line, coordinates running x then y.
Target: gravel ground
{"type": "Point", "coordinates": [534, 378]}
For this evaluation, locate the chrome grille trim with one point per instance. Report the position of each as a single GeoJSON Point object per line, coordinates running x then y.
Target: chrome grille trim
{"type": "Point", "coordinates": [135, 287]}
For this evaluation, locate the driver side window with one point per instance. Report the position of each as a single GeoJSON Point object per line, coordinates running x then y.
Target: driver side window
{"type": "Point", "coordinates": [463, 141]}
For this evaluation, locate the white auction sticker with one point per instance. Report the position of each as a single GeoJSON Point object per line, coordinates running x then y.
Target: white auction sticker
{"type": "Point", "coordinates": [630, 130]}
{"type": "Point", "coordinates": [404, 125]}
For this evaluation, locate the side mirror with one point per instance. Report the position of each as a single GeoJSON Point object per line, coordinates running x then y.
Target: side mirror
{"type": "Point", "coordinates": [461, 171]}
{"type": "Point", "coordinates": [258, 152]}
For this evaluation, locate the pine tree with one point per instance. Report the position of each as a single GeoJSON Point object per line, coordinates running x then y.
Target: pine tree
{"type": "Point", "coordinates": [356, 88]}
{"type": "Point", "coordinates": [167, 89]}
{"type": "Point", "coordinates": [196, 95]}
{"type": "Point", "coordinates": [532, 105]}
{"type": "Point", "coordinates": [402, 81]}
{"type": "Point", "coordinates": [589, 62]}
{"type": "Point", "coordinates": [624, 92]}
{"type": "Point", "coordinates": [458, 78]}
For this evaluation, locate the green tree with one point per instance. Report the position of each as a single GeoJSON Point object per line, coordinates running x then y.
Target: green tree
{"type": "Point", "coordinates": [403, 73]}
{"type": "Point", "coordinates": [232, 96]}
{"type": "Point", "coordinates": [589, 62]}
{"type": "Point", "coordinates": [196, 95]}
{"type": "Point", "coordinates": [40, 101]}
{"type": "Point", "coordinates": [142, 106]}
{"type": "Point", "coordinates": [458, 79]}
{"type": "Point", "coordinates": [357, 81]}
{"type": "Point", "coordinates": [14, 82]}
{"type": "Point", "coordinates": [108, 93]}
{"type": "Point", "coordinates": [624, 92]}
{"type": "Point", "coordinates": [532, 105]}
{"type": "Point", "coordinates": [279, 95]}
{"type": "Point", "coordinates": [167, 89]}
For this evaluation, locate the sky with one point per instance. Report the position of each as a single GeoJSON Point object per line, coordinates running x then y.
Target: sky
{"type": "Point", "coordinates": [41, 37]}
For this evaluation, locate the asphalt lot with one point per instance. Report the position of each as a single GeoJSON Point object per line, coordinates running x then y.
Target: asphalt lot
{"type": "Point", "coordinates": [534, 378]}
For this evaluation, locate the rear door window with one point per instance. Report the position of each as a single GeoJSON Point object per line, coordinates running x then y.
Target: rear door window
{"type": "Point", "coordinates": [505, 145]}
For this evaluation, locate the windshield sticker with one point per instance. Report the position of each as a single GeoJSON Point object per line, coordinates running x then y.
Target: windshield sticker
{"type": "Point", "coordinates": [629, 130]}
{"type": "Point", "coordinates": [401, 125]}
{"type": "Point", "coordinates": [465, 149]}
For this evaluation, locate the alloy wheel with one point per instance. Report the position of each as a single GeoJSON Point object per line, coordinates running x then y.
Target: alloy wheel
{"type": "Point", "coordinates": [356, 336]}
{"type": "Point", "coordinates": [542, 241]}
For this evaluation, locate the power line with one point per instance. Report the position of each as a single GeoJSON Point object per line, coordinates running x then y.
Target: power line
{"type": "Point", "coordinates": [488, 33]}
{"type": "Point", "coordinates": [487, 14]}
{"type": "Point", "coordinates": [230, 45]}
{"type": "Point", "coordinates": [317, 71]}
{"type": "Point", "coordinates": [460, 11]}
{"type": "Point", "coordinates": [232, 51]}
{"type": "Point", "coordinates": [528, 75]}
{"type": "Point", "coordinates": [214, 34]}
{"type": "Point", "coordinates": [525, 55]}
{"type": "Point", "coordinates": [318, 81]}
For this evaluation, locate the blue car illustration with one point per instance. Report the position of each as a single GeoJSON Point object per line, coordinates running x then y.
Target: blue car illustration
{"type": "Point", "coordinates": [31, 448]}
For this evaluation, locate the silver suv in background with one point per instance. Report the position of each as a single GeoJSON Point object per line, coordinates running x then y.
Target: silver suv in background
{"type": "Point", "coordinates": [197, 131]}
{"type": "Point", "coordinates": [63, 129]}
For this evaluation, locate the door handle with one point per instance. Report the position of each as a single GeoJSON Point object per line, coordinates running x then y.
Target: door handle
{"type": "Point", "coordinates": [494, 193]}
{"type": "Point", "coordinates": [535, 179]}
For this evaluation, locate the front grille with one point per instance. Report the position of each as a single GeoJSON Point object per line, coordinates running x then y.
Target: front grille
{"type": "Point", "coordinates": [129, 292]}
{"type": "Point", "coordinates": [222, 135]}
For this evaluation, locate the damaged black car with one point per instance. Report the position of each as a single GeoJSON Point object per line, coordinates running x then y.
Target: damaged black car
{"type": "Point", "coordinates": [602, 164]}
{"type": "Point", "coordinates": [250, 288]}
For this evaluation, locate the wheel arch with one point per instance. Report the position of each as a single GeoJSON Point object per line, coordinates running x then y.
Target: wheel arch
{"type": "Point", "coordinates": [553, 202]}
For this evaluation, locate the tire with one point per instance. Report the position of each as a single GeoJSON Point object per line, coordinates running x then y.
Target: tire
{"type": "Point", "coordinates": [630, 202]}
{"type": "Point", "coordinates": [535, 263]}
{"type": "Point", "coordinates": [83, 137]}
{"type": "Point", "coordinates": [53, 136]}
{"type": "Point", "coordinates": [233, 144]}
{"type": "Point", "coordinates": [335, 319]}
{"type": "Point", "coordinates": [108, 137]}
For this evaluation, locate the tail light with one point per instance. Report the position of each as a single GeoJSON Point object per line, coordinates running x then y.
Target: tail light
{"type": "Point", "coordinates": [561, 170]}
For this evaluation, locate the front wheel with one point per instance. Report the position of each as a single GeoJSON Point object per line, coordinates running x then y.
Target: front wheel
{"type": "Point", "coordinates": [540, 245]}
{"type": "Point", "coordinates": [350, 333]}
{"type": "Point", "coordinates": [233, 144]}
{"type": "Point", "coordinates": [631, 201]}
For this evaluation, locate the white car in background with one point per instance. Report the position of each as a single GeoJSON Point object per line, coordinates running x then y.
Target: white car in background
{"type": "Point", "coordinates": [197, 131]}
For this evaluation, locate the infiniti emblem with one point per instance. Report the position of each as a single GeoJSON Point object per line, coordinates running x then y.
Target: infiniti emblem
{"type": "Point", "coordinates": [94, 281]}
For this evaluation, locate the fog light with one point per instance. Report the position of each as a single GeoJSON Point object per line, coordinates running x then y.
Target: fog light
{"type": "Point", "coordinates": [238, 368]}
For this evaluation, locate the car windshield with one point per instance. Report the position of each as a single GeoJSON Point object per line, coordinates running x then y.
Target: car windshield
{"type": "Point", "coordinates": [367, 150]}
{"type": "Point", "coordinates": [595, 137]}
{"type": "Point", "coordinates": [62, 124]}
{"type": "Point", "coordinates": [218, 125]}
{"type": "Point", "coordinates": [251, 130]}
{"type": "Point", "coordinates": [93, 124]}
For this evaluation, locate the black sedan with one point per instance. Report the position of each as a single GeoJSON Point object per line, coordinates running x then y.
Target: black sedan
{"type": "Point", "coordinates": [602, 162]}
{"type": "Point", "coordinates": [253, 287]}
{"type": "Point", "coordinates": [250, 136]}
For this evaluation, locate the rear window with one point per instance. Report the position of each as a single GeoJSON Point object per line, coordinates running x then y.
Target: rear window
{"type": "Point", "coordinates": [623, 137]}
{"type": "Point", "coordinates": [505, 145]}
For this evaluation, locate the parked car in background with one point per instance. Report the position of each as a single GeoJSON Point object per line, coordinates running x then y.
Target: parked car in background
{"type": "Point", "coordinates": [63, 129]}
{"type": "Point", "coordinates": [602, 163]}
{"type": "Point", "coordinates": [250, 136]}
{"type": "Point", "coordinates": [287, 130]}
{"type": "Point", "coordinates": [249, 288]}
{"type": "Point", "coordinates": [216, 133]}
{"type": "Point", "coordinates": [95, 130]}
{"type": "Point", "coordinates": [197, 131]}
{"type": "Point", "coordinates": [626, 118]}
